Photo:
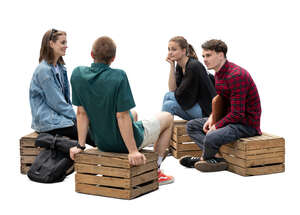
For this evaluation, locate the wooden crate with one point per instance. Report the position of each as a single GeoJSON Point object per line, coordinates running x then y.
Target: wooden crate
{"type": "Point", "coordinates": [181, 144]}
{"type": "Point", "coordinates": [28, 151]}
{"type": "Point", "coordinates": [257, 155]}
{"type": "Point", "coordinates": [109, 174]}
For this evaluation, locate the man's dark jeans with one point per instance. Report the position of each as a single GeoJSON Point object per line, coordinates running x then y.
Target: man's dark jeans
{"type": "Point", "coordinates": [211, 142]}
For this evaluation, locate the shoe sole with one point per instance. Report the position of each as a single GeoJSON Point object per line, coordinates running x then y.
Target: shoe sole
{"type": "Point", "coordinates": [166, 182]}
{"type": "Point", "coordinates": [207, 167]}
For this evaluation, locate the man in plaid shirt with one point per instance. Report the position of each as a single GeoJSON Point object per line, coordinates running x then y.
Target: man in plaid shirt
{"type": "Point", "coordinates": [242, 115]}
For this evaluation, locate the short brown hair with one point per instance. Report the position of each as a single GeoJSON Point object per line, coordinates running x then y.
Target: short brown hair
{"type": "Point", "coordinates": [215, 45]}
{"type": "Point", "coordinates": [46, 52]}
{"type": "Point", "coordinates": [104, 49]}
{"type": "Point", "coordinates": [183, 44]}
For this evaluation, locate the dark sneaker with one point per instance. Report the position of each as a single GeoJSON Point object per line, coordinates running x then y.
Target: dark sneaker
{"type": "Point", "coordinates": [211, 165]}
{"type": "Point", "coordinates": [188, 161]}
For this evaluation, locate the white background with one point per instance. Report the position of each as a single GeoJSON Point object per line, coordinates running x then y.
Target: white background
{"type": "Point", "coordinates": [262, 37]}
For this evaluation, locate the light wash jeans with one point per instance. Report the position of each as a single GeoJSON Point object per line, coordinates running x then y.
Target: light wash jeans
{"type": "Point", "coordinates": [171, 105]}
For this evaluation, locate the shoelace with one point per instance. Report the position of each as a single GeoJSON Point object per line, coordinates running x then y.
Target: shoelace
{"type": "Point", "coordinates": [195, 158]}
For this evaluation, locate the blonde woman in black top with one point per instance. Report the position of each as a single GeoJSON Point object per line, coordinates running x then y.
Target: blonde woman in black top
{"type": "Point", "coordinates": [190, 88]}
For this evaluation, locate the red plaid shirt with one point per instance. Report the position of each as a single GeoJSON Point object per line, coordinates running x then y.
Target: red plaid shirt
{"type": "Point", "coordinates": [235, 84]}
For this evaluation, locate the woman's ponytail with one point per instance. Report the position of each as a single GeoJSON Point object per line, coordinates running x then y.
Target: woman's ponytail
{"type": "Point", "coordinates": [191, 52]}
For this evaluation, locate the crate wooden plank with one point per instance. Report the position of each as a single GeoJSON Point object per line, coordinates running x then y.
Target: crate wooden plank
{"type": "Point", "coordinates": [178, 154]}
{"type": "Point", "coordinates": [250, 163]}
{"type": "Point", "coordinates": [113, 171]}
{"type": "Point", "coordinates": [27, 159]}
{"type": "Point", "coordinates": [102, 191]}
{"type": "Point", "coordinates": [179, 122]}
{"type": "Point", "coordinates": [25, 168]}
{"type": "Point", "coordinates": [102, 180]}
{"type": "Point", "coordinates": [30, 151]}
{"type": "Point", "coordinates": [144, 189]}
{"type": "Point", "coordinates": [263, 170]}
{"type": "Point", "coordinates": [181, 139]}
{"type": "Point", "coordinates": [102, 170]}
{"type": "Point", "coordinates": [179, 130]}
{"type": "Point", "coordinates": [266, 170]}
{"type": "Point", "coordinates": [27, 143]}
{"type": "Point", "coordinates": [252, 154]}
{"type": "Point", "coordinates": [30, 136]}
{"type": "Point", "coordinates": [258, 142]}
{"type": "Point", "coordinates": [141, 179]}
{"type": "Point", "coordinates": [94, 159]}
{"type": "Point", "coordinates": [150, 156]}
{"type": "Point", "coordinates": [137, 170]}
{"type": "Point", "coordinates": [190, 146]}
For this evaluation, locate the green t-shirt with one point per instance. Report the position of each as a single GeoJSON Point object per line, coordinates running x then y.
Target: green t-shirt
{"type": "Point", "coordinates": [103, 92]}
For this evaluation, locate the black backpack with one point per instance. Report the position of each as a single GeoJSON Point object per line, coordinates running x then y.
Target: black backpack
{"type": "Point", "coordinates": [52, 164]}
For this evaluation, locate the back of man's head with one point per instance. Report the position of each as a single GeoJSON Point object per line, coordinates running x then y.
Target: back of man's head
{"type": "Point", "coordinates": [104, 50]}
{"type": "Point", "coordinates": [215, 45]}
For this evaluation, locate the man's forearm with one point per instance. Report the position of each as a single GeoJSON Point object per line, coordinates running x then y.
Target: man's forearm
{"type": "Point", "coordinates": [126, 130]}
{"type": "Point", "coordinates": [82, 127]}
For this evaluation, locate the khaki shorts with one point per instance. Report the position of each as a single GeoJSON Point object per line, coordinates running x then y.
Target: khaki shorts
{"type": "Point", "coordinates": [151, 132]}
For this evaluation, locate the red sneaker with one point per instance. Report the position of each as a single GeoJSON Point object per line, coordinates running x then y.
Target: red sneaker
{"type": "Point", "coordinates": [164, 179]}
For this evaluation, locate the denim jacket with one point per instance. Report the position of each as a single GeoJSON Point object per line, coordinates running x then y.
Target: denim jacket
{"type": "Point", "coordinates": [50, 103]}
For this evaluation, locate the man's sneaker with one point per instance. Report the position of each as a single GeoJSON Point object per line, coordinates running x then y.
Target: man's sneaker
{"type": "Point", "coordinates": [188, 161]}
{"type": "Point", "coordinates": [164, 179]}
{"type": "Point", "coordinates": [211, 165]}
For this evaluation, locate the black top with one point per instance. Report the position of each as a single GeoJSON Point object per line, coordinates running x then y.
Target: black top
{"type": "Point", "coordinates": [194, 87]}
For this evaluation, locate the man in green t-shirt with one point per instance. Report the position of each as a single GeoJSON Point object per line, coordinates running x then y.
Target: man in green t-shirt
{"type": "Point", "coordinates": [104, 100]}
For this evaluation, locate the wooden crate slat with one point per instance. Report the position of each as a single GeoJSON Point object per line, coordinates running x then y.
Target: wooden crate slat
{"type": "Point", "coordinates": [144, 189]}
{"type": "Point", "coordinates": [27, 159]}
{"type": "Point", "coordinates": [30, 136]}
{"type": "Point", "coordinates": [102, 170]}
{"type": "Point", "coordinates": [181, 139]}
{"type": "Point", "coordinates": [267, 155]}
{"type": "Point", "coordinates": [234, 160]}
{"type": "Point", "coordinates": [252, 154]}
{"type": "Point", "coordinates": [137, 170]}
{"type": "Point", "coordinates": [27, 143]}
{"type": "Point", "coordinates": [179, 122]}
{"type": "Point", "coordinates": [141, 179]}
{"type": "Point", "coordinates": [102, 191]}
{"type": "Point", "coordinates": [191, 146]}
{"type": "Point", "coordinates": [178, 154]}
{"type": "Point", "coordinates": [276, 168]}
{"type": "Point", "coordinates": [250, 163]}
{"type": "Point", "coordinates": [95, 151]}
{"type": "Point", "coordinates": [179, 130]}
{"type": "Point", "coordinates": [25, 168]}
{"type": "Point", "coordinates": [265, 161]}
{"type": "Point", "coordinates": [237, 169]}
{"type": "Point", "coordinates": [266, 170]}
{"type": "Point", "coordinates": [102, 180]}
{"type": "Point", "coordinates": [256, 143]}
{"type": "Point", "coordinates": [95, 159]}
{"type": "Point", "coordinates": [30, 151]}
{"type": "Point", "coordinates": [265, 144]}
{"type": "Point", "coordinates": [150, 156]}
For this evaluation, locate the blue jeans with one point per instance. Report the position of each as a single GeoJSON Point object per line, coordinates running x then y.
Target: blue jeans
{"type": "Point", "coordinates": [211, 142]}
{"type": "Point", "coordinates": [171, 105]}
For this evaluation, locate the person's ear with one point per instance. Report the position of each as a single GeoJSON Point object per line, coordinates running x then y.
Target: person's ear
{"type": "Point", "coordinates": [51, 44]}
{"type": "Point", "coordinates": [112, 60]}
{"type": "Point", "coordinates": [92, 54]}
